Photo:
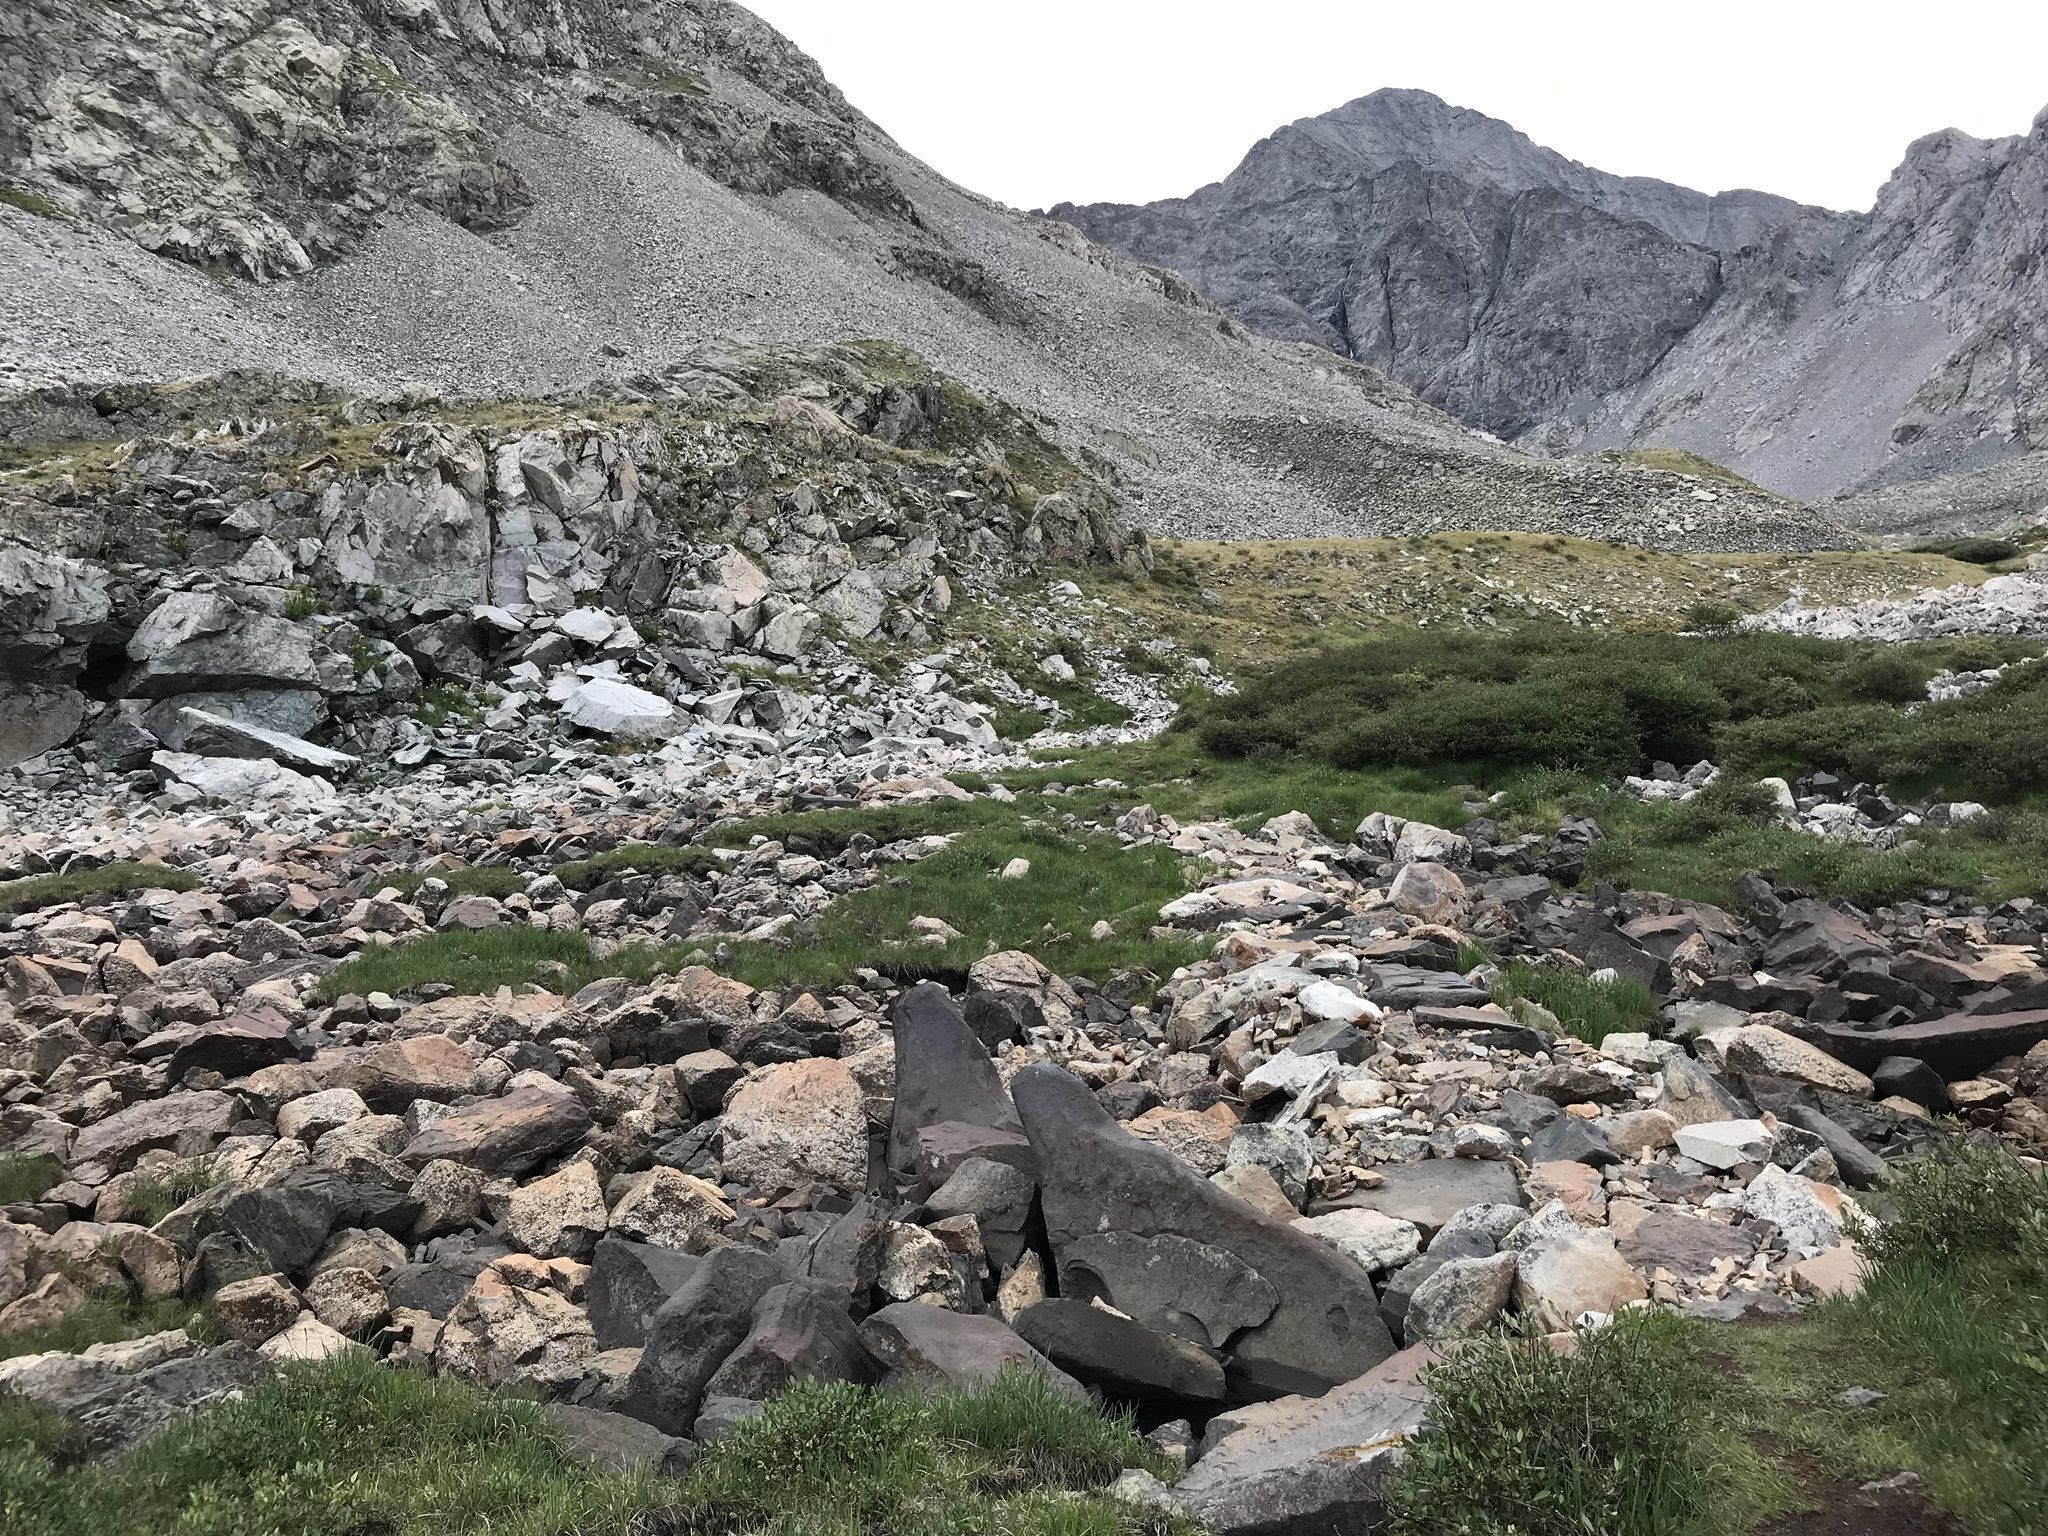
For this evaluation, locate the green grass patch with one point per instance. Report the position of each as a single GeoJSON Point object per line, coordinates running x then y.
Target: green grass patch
{"type": "Point", "coordinates": [24, 1179]}
{"type": "Point", "coordinates": [1075, 878]}
{"type": "Point", "coordinates": [1696, 850]}
{"type": "Point", "coordinates": [1620, 1437]}
{"type": "Point", "coordinates": [840, 1460]}
{"type": "Point", "coordinates": [350, 1447]}
{"type": "Point", "coordinates": [471, 963]}
{"type": "Point", "coordinates": [106, 1319]}
{"type": "Point", "coordinates": [1950, 1326]}
{"type": "Point", "coordinates": [496, 880]}
{"type": "Point", "coordinates": [637, 859]}
{"type": "Point", "coordinates": [38, 891]}
{"type": "Point", "coordinates": [1607, 704]}
{"type": "Point", "coordinates": [1591, 1010]}
{"type": "Point", "coordinates": [155, 1195]}
{"type": "Point", "coordinates": [1682, 461]}
{"type": "Point", "coordinates": [33, 203]}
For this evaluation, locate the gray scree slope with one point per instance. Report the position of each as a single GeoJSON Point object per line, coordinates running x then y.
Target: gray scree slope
{"type": "Point", "coordinates": [523, 195]}
{"type": "Point", "coordinates": [1563, 308]}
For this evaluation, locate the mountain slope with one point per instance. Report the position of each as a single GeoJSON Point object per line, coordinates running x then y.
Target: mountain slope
{"type": "Point", "coordinates": [1553, 304]}
{"type": "Point", "coordinates": [521, 195]}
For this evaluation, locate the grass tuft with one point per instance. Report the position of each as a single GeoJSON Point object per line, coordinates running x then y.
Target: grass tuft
{"type": "Point", "coordinates": [38, 891]}
{"type": "Point", "coordinates": [1616, 1436]}
{"type": "Point", "coordinates": [24, 1179]}
{"type": "Point", "coordinates": [1591, 1010]}
{"type": "Point", "coordinates": [471, 963]}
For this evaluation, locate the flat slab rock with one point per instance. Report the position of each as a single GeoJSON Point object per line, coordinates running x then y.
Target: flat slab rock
{"type": "Point", "coordinates": [1958, 1045]}
{"type": "Point", "coordinates": [1096, 1177]}
{"type": "Point", "coordinates": [1308, 1465]}
{"type": "Point", "coordinates": [1430, 1194]}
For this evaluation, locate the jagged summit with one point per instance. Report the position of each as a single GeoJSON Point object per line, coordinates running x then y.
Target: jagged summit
{"type": "Point", "coordinates": [1562, 307]}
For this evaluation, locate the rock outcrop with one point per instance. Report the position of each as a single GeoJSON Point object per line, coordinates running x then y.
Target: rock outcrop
{"type": "Point", "coordinates": [1815, 352]}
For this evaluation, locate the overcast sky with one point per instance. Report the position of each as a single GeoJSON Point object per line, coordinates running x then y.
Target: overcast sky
{"type": "Point", "coordinates": [1130, 100]}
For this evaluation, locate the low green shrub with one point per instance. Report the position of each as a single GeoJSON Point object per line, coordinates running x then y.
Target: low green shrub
{"type": "Point", "coordinates": [1614, 1438]}
{"type": "Point", "coordinates": [1588, 1009]}
{"type": "Point", "coordinates": [1972, 551]}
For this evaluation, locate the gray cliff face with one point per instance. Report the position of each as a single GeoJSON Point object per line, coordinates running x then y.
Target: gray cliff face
{"type": "Point", "coordinates": [1555, 305]}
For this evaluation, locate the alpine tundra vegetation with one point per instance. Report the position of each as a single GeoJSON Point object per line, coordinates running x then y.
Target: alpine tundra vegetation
{"type": "Point", "coordinates": [699, 837]}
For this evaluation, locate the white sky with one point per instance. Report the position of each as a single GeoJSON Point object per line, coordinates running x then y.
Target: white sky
{"type": "Point", "coordinates": [1131, 100]}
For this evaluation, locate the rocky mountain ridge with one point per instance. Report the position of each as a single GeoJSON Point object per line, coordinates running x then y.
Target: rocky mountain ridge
{"type": "Point", "coordinates": [1813, 351]}
{"type": "Point", "coordinates": [516, 198]}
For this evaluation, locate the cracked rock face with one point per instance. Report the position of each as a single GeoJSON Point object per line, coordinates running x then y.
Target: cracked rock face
{"type": "Point", "coordinates": [1816, 352]}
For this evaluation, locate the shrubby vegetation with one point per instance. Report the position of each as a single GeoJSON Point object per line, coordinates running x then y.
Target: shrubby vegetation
{"type": "Point", "coordinates": [1662, 1427]}
{"type": "Point", "coordinates": [350, 1447]}
{"type": "Point", "coordinates": [1605, 704]}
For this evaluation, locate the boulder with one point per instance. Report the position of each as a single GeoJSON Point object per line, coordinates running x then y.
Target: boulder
{"type": "Point", "coordinates": [188, 1124]}
{"type": "Point", "coordinates": [943, 1074]}
{"type": "Point", "coordinates": [694, 1332]}
{"type": "Point", "coordinates": [212, 735]}
{"type": "Point", "coordinates": [1096, 1177]}
{"type": "Point", "coordinates": [234, 1047]}
{"type": "Point", "coordinates": [1760, 1048]}
{"type": "Point", "coordinates": [1560, 1280]}
{"type": "Point", "coordinates": [508, 1135]}
{"type": "Point", "coordinates": [1429, 1194]}
{"type": "Point", "coordinates": [629, 1282]}
{"type": "Point", "coordinates": [1460, 1298]}
{"type": "Point", "coordinates": [1307, 1466]}
{"type": "Point", "coordinates": [796, 1123]}
{"type": "Point", "coordinates": [608, 707]}
{"type": "Point", "coordinates": [1124, 1358]}
{"type": "Point", "coordinates": [673, 1209]}
{"type": "Point", "coordinates": [560, 1216]}
{"type": "Point", "coordinates": [800, 1332]}
{"type": "Point", "coordinates": [930, 1349]}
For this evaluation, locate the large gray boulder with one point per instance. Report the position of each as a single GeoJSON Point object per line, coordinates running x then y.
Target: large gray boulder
{"type": "Point", "coordinates": [928, 1348]}
{"type": "Point", "coordinates": [694, 1332]}
{"type": "Point", "coordinates": [1323, 1326]}
{"type": "Point", "coordinates": [1307, 1466]}
{"type": "Point", "coordinates": [943, 1073]}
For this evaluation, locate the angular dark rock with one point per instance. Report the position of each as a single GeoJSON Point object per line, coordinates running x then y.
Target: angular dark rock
{"type": "Point", "coordinates": [1569, 1139]}
{"type": "Point", "coordinates": [617, 1443]}
{"type": "Point", "coordinates": [1123, 1358]}
{"type": "Point", "coordinates": [931, 1348]}
{"type": "Point", "coordinates": [1956, 1046]}
{"type": "Point", "coordinates": [800, 1332]}
{"type": "Point", "coordinates": [236, 1046]}
{"type": "Point", "coordinates": [509, 1135]}
{"type": "Point", "coordinates": [943, 1073]}
{"type": "Point", "coordinates": [1097, 1177]}
{"type": "Point", "coordinates": [1907, 1077]}
{"type": "Point", "coordinates": [630, 1282]}
{"type": "Point", "coordinates": [1307, 1466]}
{"type": "Point", "coordinates": [694, 1332]}
{"type": "Point", "coordinates": [1430, 1194]}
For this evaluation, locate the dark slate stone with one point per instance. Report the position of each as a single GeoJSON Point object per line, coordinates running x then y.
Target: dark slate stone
{"type": "Point", "coordinates": [1569, 1139]}
{"type": "Point", "coordinates": [929, 1348]}
{"type": "Point", "coordinates": [1907, 1077]}
{"type": "Point", "coordinates": [630, 1282]}
{"type": "Point", "coordinates": [1959, 1045]}
{"type": "Point", "coordinates": [800, 1332]}
{"type": "Point", "coordinates": [1334, 1037]}
{"type": "Point", "coordinates": [943, 1073]}
{"type": "Point", "coordinates": [1001, 1016]}
{"type": "Point", "coordinates": [618, 1443]}
{"type": "Point", "coordinates": [236, 1047]}
{"type": "Point", "coordinates": [1430, 1194]}
{"type": "Point", "coordinates": [1128, 1098]}
{"type": "Point", "coordinates": [1688, 1246]}
{"type": "Point", "coordinates": [1860, 1167]}
{"type": "Point", "coordinates": [693, 1333]}
{"type": "Point", "coordinates": [1096, 1177]}
{"type": "Point", "coordinates": [1125, 1359]}
{"type": "Point", "coordinates": [436, 1286]}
